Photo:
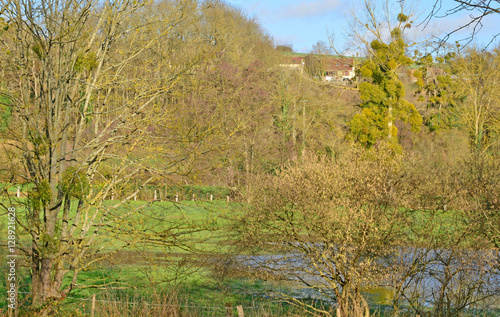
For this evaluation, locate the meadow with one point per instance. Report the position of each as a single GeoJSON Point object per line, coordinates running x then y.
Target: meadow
{"type": "Point", "coordinates": [194, 275]}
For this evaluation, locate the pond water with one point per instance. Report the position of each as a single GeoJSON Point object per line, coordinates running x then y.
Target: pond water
{"type": "Point", "coordinates": [463, 277]}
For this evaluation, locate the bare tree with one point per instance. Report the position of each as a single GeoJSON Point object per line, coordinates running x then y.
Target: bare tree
{"type": "Point", "coordinates": [84, 101]}
{"type": "Point", "coordinates": [328, 223]}
{"type": "Point", "coordinates": [478, 9]}
{"type": "Point", "coordinates": [479, 111]}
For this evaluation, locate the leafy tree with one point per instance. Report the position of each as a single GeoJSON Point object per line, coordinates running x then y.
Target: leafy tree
{"type": "Point", "coordinates": [383, 94]}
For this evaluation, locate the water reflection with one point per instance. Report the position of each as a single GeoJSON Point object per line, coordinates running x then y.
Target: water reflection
{"type": "Point", "coordinates": [450, 280]}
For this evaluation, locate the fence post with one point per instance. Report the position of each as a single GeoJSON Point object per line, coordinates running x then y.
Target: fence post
{"type": "Point", "coordinates": [211, 197]}
{"type": "Point", "coordinates": [176, 197]}
{"type": "Point", "coordinates": [155, 197]}
{"type": "Point", "coordinates": [229, 310]}
{"type": "Point", "coordinates": [93, 305]}
{"type": "Point", "coordinates": [240, 311]}
{"type": "Point", "coordinates": [193, 197]}
{"type": "Point", "coordinates": [227, 198]}
{"type": "Point", "coordinates": [18, 192]}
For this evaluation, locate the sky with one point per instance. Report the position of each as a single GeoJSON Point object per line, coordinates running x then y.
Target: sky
{"type": "Point", "coordinates": [302, 23]}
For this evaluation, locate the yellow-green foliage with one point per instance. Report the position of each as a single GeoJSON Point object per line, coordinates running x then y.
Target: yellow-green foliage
{"type": "Point", "coordinates": [417, 74]}
{"type": "Point", "coordinates": [75, 183]}
{"type": "Point", "coordinates": [38, 50]}
{"type": "Point", "coordinates": [49, 244]}
{"type": "Point", "coordinates": [370, 92]}
{"type": "Point", "coordinates": [377, 45]}
{"type": "Point", "coordinates": [367, 69]}
{"type": "Point", "coordinates": [369, 126]}
{"type": "Point", "coordinates": [383, 96]}
{"type": "Point", "coordinates": [402, 17]}
{"type": "Point", "coordinates": [40, 145]}
{"type": "Point", "coordinates": [409, 114]}
{"type": "Point", "coordinates": [40, 195]}
{"type": "Point", "coordinates": [86, 61]}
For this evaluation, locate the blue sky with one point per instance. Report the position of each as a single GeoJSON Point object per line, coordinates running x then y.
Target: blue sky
{"type": "Point", "coordinates": [303, 23]}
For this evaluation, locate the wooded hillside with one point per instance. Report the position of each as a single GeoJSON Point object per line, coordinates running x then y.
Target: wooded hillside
{"type": "Point", "coordinates": [102, 103]}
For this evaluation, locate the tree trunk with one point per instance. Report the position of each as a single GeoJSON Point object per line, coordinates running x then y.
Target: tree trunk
{"type": "Point", "coordinates": [352, 304]}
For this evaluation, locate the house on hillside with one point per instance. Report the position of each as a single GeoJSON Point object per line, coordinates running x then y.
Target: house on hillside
{"type": "Point", "coordinates": [339, 69]}
{"type": "Point", "coordinates": [293, 62]}
{"type": "Point", "coordinates": [324, 67]}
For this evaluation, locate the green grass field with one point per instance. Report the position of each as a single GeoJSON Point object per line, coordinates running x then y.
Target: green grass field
{"type": "Point", "coordinates": [136, 274]}
{"type": "Point", "coordinates": [192, 267]}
